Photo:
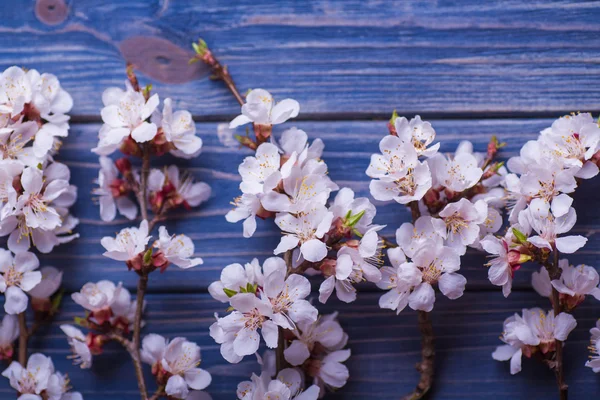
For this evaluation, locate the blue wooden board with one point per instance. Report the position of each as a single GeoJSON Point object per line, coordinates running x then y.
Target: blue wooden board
{"type": "Point", "coordinates": [384, 349]}
{"type": "Point", "coordinates": [349, 63]}
{"type": "Point", "coordinates": [350, 57]}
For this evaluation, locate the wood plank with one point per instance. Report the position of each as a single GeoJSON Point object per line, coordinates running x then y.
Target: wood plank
{"type": "Point", "coordinates": [341, 56]}
{"type": "Point", "coordinates": [381, 366]}
{"type": "Point", "coordinates": [348, 148]}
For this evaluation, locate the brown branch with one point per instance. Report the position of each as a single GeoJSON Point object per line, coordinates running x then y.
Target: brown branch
{"type": "Point", "coordinates": [23, 337]}
{"type": "Point", "coordinates": [426, 366]}
{"type": "Point", "coordinates": [555, 272]}
{"type": "Point", "coordinates": [135, 357]}
{"type": "Point", "coordinates": [159, 393]}
{"type": "Point", "coordinates": [280, 362]}
{"type": "Point", "coordinates": [220, 72]}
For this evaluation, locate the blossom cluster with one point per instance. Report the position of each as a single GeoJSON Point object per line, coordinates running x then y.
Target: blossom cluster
{"type": "Point", "coordinates": [133, 125]}
{"type": "Point", "coordinates": [539, 187]}
{"type": "Point", "coordinates": [35, 193]}
{"type": "Point", "coordinates": [454, 200]}
{"type": "Point", "coordinates": [287, 180]}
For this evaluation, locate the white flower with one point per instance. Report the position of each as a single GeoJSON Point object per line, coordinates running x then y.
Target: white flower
{"type": "Point", "coordinates": [395, 158]}
{"type": "Point", "coordinates": [9, 169]}
{"type": "Point", "coordinates": [48, 96]}
{"type": "Point", "coordinates": [128, 244]}
{"type": "Point", "coordinates": [503, 263]}
{"type": "Point", "coordinates": [260, 173]}
{"type": "Point", "coordinates": [82, 355]}
{"type": "Point", "coordinates": [535, 329]}
{"type": "Point", "coordinates": [594, 361]}
{"type": "Point", "coordinates": [259, 109]}
{"type": "Point", "coordinates": [51, 281]}
{"type": "Point", "coordinates": [58, 386]}
{"type": "Point", "coordinates": [577, 282]}
{"type": "Point", "coordinates": [287, 297]}
{"type": "Point", "coordinates": [125, 113]}
{"type": "Point", "coordinates": [97, 297]}
{"type": "Point", "coordinates": [179, 359]}
{"type": "Point", "coordinates": [187, 192]}
{"type": "Point", "coordinates": [9, 332]}
{"type": "Point", "coordinates": [179, 129]}
{"type": "Point", "coordinates": [573, 138]}
{"type": "Point", "coordinates": [437, 265]}
{"type": "Point", "coordinates": [417, 132]}
{"type": "Point", "coordinates": [15, 91]}
{"type": "Point", "coordinates": [331, 371]}
{"type": "Point", "coordinates": [353, 265]}
{"type": "Point", "coordinates": [234, 277]}
{"type": "Point", "coordinates": [33, 379]}
{"type": "Point", "coordinates": [295, 140]}
{"type": "Point", "coordinates": [458, 173]}
{"type": "Point", "coordinates": [18, 275]}
{"type": "Point", "coordinates": [541, 282]}
{"type": "Point", "coordinates": [459, 223]}
{"type": "Point", "coordinates": [326, 331]}
{"type": "Point", "coordinates": [35, 201]}
{"type": "Point", "coordinates": [246, 208]}
{"type": "Point", "coordinates": [411, 238]}
{"type": "Point", "coordinates": [409, 185]}
{"type": "Point", "coordinates": [549, 227]}
{"type": "Point", "coordinates": [306, 229]}
{"type": "Point", "coordinates": [345, 204]}
{"type": "Point", "coordinates": [251, 314]}
{"type": "Point", "coordinates": [544, 185]}
{"type": "Point", "coordinates": [301, 190]}
{"type": "Point", "coordinates": [110, 193]}
{"type": "Point", "coordinates": [14, 141]}
{"type": "Point", "coordinates": [177, 249]}
{"type": "Point", "coordinates": [398, 280]}
{"type": "Point", "coordinates": [287, 386]}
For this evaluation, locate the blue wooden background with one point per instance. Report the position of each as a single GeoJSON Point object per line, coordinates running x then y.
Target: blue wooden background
{"type": "Point", "coordinates": [475, 68]}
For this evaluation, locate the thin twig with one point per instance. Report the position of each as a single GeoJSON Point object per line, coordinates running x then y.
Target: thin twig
{"type": "Point", "coordinates": [23, 337]}
{"type": "Point", "coordinates": [280, 362]}
{"type": "Point", "coordinates": [555, 273]}
{"type": "Point", "coordinates": [426, 365]}
{"type": "Point", "coordinates": [135, 357]}
{"type": "Point", "coordinates": [159, 393]}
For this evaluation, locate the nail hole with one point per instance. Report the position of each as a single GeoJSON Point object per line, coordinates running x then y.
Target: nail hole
{"type": "Point", "coordinates": [51, 7]}
{"type": "Point", "coordinates": [163, 60]}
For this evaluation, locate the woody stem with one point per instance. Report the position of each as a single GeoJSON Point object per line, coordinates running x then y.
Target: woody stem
{"type": "Point", "coordinates": [280, 362]}
{"type": "Point", "coordinates": [137, 363]}
{"type": "Point", "coordinates": [555, 273]}
{"type": "Point", "coordinates": [426, 365]}
{"type": "Point", "coordinates": [23, 337]}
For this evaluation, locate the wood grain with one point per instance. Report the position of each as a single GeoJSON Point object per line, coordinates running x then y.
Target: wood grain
{"type": "Point", "coordinates": [347, 152]}
{"type": "Point", "coordinates": [381, 365]}
{"type": "Point", "coordinates": [337, 57]}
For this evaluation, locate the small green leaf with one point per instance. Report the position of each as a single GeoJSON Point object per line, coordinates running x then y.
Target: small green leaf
{"type": "Point", "coordinates": [394, 116]}
{"type": "Point", "coordinates": [193, 60]}
{"type": "Point", "coordinates": [357, 233]}
{"type": "Point", "coordinates": [519, 235]}
{"type": "Point", "coordinates": [250, 288]}
{"type": "Point", "coordinates": [80, 321]}
{"type": "Point", "coordinates": [39, 166]}
{"type": "Point", "coordinates": [229, 309]}
{"type": "Point", "coordinates": [196, 48]}
{"type": "Point", "coordinates": [354, 219]}
{"type": "Point", "coordinates": [229, 292]}
{"type": "Point", "coordinates": [148, 256]}
{"type": "Point", "coordinates": [56, 300]}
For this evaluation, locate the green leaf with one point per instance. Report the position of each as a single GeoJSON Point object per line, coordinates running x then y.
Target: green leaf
{"type": "Point", "coordinates": [80, 321]}
{"type": "Point", "coordinates": [40, 166]}
{"type": "Point", "coordinates": [250, 288]}
{"type": "Point", "coordinates": [56, 300]}
{"type": "Point", "coordinates": [394, 116]}
{"type": "Point", "coordinates": [229, 292]}
{"type": "Point", "coordinates": [148, 256]}
{"type": "Point", "coordinates": [353, 220]}
{"type": "Point", "coordinates": [196, 48]}
{"type": "Point", "coordinates": [519, 235]}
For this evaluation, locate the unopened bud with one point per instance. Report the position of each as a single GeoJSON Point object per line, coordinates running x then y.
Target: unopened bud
{"type": "Point", "coordinates": [392, 124]}
{"type": "Point", "coordinates": [327, 267]}
{"type": "Point", "coordinates": [123, 165]}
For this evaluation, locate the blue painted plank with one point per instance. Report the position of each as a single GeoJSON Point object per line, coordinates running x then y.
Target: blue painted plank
{"type": "Point", "coordinates": [341, 56]}
{"type": "Point", "coordinates": [381, 366]}
{"type": "Point", "coordinates": [347, 152]}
